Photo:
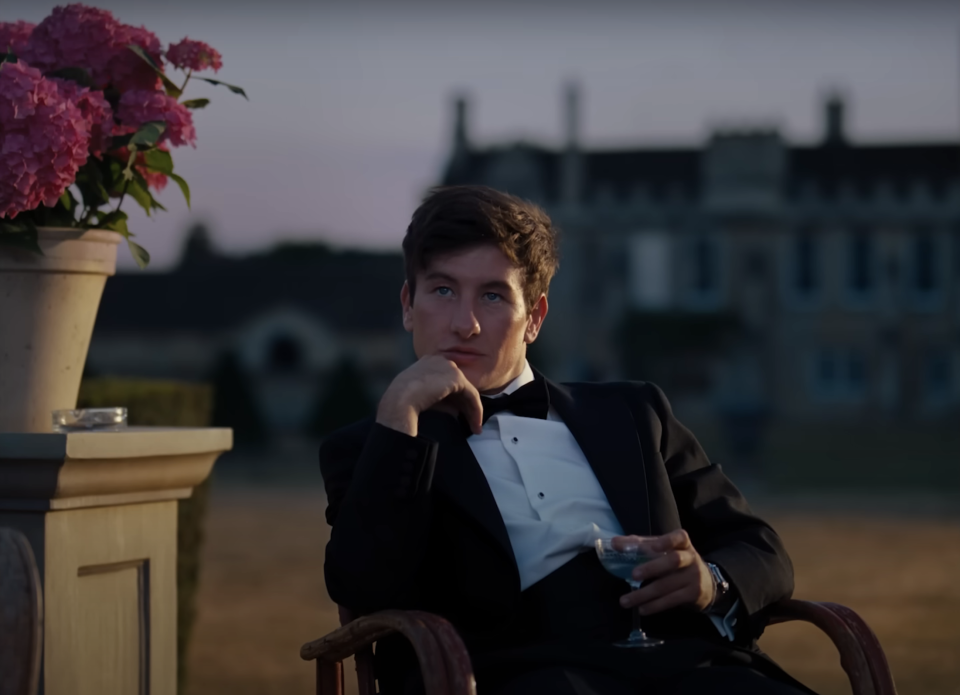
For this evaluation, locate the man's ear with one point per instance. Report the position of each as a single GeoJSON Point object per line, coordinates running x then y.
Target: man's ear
{"type": "Point", "coordinates": [537, 314]}
{"type": "Point", "coordinates": [406, 301]}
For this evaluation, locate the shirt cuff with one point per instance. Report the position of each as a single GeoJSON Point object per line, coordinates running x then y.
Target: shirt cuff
{"type": "Point", "coordinates": [726, 623]}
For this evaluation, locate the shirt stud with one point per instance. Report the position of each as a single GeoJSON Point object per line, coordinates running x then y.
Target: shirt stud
{"type": "Point", "coordinates": [515, 440]}
{"type": "Point", "coordinates": [541, 495]}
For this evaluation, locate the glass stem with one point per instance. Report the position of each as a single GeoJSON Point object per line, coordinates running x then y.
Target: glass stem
{"type": "Point", "coordinates": [636, 610]}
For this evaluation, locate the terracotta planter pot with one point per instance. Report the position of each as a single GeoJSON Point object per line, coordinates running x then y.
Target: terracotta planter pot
{"type": "Point", "coordinates": [48, 305]}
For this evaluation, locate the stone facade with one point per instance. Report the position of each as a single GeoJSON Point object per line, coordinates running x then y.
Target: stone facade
{"type": "Point", "coordinates": [838, 261]}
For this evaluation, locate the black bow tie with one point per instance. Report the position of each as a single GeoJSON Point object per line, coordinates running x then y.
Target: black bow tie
{"type": "Point", "coordinates": [530, 400]}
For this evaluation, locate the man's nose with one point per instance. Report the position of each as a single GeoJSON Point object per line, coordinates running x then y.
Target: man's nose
{"type": "Point", "coordinates": [465, 323]}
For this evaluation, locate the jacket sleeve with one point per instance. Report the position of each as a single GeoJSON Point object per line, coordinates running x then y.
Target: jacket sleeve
{"type": "Point", "coordinates": [379, 507]}
{"type": "Point", "coordinates": [722, 527]}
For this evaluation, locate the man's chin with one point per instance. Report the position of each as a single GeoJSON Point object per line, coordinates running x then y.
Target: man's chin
{"type": "Point", "coordinates": [481, 379]}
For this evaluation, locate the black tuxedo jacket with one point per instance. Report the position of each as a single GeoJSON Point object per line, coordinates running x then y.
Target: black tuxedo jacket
{"type": "Point", "coordinates": [415, 525]}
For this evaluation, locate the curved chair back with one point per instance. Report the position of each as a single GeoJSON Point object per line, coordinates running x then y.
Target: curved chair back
{"type": "Point", "coordinates": [21, 615]}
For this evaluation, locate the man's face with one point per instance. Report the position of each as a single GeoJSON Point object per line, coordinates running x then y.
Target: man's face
{"type": "Point", "coordinates": [469, 308]}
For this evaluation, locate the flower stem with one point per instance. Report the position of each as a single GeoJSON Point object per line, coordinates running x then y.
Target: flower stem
{"type": "Point", "coordinates": [122, 194]}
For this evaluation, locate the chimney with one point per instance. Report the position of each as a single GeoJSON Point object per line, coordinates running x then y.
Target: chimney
{"type": "Point", "coordinates": [572, 160]}
{"type": "Point", "coordinates": [461, 140]}
{"type": "Point", "coordinates": [571, 115]}
{"type": "Point", "coordinates": [834, 120]}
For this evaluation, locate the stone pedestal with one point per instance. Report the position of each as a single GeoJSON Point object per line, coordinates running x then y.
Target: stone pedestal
{"type": "Point", "coordinates": [100, 510]}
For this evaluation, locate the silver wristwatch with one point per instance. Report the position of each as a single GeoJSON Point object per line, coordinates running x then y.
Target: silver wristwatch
{"type": "Point", "coordinates": [721, 586]}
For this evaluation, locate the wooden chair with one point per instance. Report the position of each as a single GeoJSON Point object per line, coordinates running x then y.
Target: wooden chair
{"type": "Point", "coordinates": [446, 667]}
{"type": "Point", "coordinates": [21, 615]}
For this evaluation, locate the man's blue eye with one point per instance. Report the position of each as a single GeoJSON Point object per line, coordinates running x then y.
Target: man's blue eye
{"type": "Point", "coordinates": [443, 291]}
{"type": "Point", "coordinates": [492, 296]}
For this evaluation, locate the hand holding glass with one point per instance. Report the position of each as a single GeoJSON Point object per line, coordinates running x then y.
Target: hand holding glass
{"type": "Point", "coordinates": [621, 563]}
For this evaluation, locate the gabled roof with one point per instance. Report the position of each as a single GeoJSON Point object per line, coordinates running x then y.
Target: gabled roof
{"type": "Point", "coordinates": [663, 171]}
{"type": "Point", "coordinates": [348, 291]}
{"type": "Point", "coordinates": [865, 167]}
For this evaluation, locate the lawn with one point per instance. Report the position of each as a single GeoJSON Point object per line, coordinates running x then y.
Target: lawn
{"type": "Point", "coordinates": [262, 595]}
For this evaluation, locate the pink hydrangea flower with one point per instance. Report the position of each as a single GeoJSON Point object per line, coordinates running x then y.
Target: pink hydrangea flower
{"type": "Point", "coordinates": [95, 109]}
{"type": "Point", "coordinates": [141, 106]}
{"type": "Point", "coordinates": [194, 55]}
{"type": "Point", "coordinates": [14, 35]}
{"type": "Point", "coordinates": [154, 180]}
{"type": "Point", "coordinates": [87, 37]}
{"type": "Point", "coordinates": [43, 140]}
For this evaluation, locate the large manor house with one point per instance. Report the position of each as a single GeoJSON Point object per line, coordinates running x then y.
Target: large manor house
{"type": "Point", "coordinates": [744, 274]}
{"type": "Point", "coordinates": [835, 265]}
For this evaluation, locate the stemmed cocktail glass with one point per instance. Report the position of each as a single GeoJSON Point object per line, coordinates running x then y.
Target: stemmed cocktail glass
{"type": "Point", "coordinates": [621, 563]}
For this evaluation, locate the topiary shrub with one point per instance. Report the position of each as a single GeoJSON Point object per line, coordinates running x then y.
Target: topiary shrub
{"type": "Point", "coordinates": [344, 400]}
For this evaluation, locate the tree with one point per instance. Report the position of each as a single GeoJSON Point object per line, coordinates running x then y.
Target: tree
{"type": "Point", "coordinates": [233, 402]}
{"type": "Point", "coordinates": [344, 400]}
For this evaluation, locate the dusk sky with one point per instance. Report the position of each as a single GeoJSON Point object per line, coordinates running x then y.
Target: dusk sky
{"type": "Point", "coordinates": [349, 116]}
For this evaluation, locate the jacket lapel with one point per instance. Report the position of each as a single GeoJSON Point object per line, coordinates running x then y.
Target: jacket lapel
{"type": "Point", "coordinates": [605, 430]}
{"type": "Point", "coordinates": [458, 475]}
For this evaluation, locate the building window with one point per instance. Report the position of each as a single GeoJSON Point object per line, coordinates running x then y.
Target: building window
{"type": "Point", "coordinates": [925, 280]}
{"type": "Point", "coordinates": [705, 267]}
{"type": "Point", "coordinates": [840, 374]}
{"type": "Point", "coordinates": [861, 264]}
{"type": "Point", "coordinates": [650, 279]}
{"type": "Point", "coordinates": [805, 272]}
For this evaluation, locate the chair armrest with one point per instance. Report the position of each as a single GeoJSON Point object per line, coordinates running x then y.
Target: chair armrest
{"type": "Point", "coordinates": [444, 662]}
{"type": "Point", "coordinates": [861, 655]}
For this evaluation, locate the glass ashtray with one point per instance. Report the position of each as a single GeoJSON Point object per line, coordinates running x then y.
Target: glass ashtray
{"type": "Point", "coordinates": [86, 419]}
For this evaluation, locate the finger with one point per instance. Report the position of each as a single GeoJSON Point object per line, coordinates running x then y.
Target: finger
{"type": "Point", "coordinates": [665, 565]}
{"type": "Point", "coordinates": [654, 590]}
{"type": "Point", "coordinates": [683, 596]}
{"type": "Point", "coordinates": [624, 543]}
{"type": "Point", "coordinates": [470, 405]}
{"type": "Point", "coordinates": [445, 407]}
{"type": "Point", "coordinates": [675, 540]}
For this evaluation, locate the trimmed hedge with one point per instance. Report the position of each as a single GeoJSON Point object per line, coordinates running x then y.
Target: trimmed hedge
{"type": "Point", "coordinates": [153, 403]}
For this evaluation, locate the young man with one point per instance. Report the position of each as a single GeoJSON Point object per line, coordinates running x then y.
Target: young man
{"type": "Point", "coordinates": [478, 491]}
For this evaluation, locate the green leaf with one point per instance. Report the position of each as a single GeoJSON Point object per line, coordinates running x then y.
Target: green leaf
{"type": "Point", "coordinates": [67, 201]}
{"type": "Point", "coordinates": [115, 220]}
{"type": "Point", "coordinates": [78, 75]}
{"type": "Point", "coordinates": [233, 88]}
{"type": "Point", "coordinates": [184, 188]}
{"type": "Point", "coordinates": [147, 136]}
{"type": "Point", "coordinates": [159, 161]}
{"type": "Point", "coordinates": [171, 89]}
{"type": "Point", "coordinates": [140, 254]}
{"type": "Point", "coordinates": [7, 58]}
{"type": "Point", "coordinates": [118, 141]}
{"type": "Point", "coordinates": [138, 190]}
{"type": "Point", "coordinates": [113, 173]}
{"type": "Point", "coordinates": [144, 55]}
{"type": "Point", "coordinates": [139, 193]}
{"type": "Point", "coordinates": [90, 182]}
{"type": "Point", "coordinates": [20, 234]}
{"type": "Point", "coordinates": [195, 103]}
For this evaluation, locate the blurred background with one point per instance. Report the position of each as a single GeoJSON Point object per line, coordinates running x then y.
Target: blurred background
{"type": "Point", "coordinates": [760, 207]}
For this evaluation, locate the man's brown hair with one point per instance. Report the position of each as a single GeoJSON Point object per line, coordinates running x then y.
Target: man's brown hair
{"type": "Point", "coordinates": [456, 218]}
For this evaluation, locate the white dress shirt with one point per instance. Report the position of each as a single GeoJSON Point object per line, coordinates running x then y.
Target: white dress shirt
{"type": "Point", "coordinates": [551, 502]}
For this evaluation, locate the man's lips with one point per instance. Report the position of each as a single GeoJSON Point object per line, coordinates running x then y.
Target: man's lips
{"type": "Point", "coordinates": [461, 353]}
